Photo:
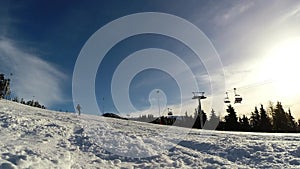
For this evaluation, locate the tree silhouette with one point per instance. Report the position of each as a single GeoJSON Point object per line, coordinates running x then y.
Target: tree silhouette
{"type": "Point", "coordinates": [213, 115]}
{"type": "Point", "coordinates": [231, 120]}
{"type": "Point", "coordinates": [204, 117]}
{"type": "Point", "coordinates": [197, 123]}
{"type": "Point", "coordinates": [4, 87]}
{"type": "Point", "coordinates": [274, 119]}
{"type": "Point", "coordinates": [265, 122]}
{"type": "Point", "coordinates": [16, 99]}
{"type": "Point", "coordinates": [279, 119]}
{"type": "Point", "coordinates": [22, 101]}
{"type": "Point", "coordinates": [291, 124]}
{"type": "Point", "coordinates": [29, 103]}
{"type": "Point", "coordinates": [255, 120]}
{"type": "Point", "coordinates": [213, 121]}
{"type": "Point", "coordinates": [244, 121]}
{"type": "Point", "coordinates": [298, 125]}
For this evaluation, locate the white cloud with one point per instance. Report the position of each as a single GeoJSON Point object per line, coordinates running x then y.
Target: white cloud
{"type": "Point", "coordinates": [32, 76]}
{"type": "Point", "coordinates": [232, 13]}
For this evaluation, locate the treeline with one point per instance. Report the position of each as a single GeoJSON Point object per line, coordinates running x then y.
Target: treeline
{"type": "Point", "coordinates": [274, 119]}
{"type": "Point", "coordinates": [5, 93]}
{"type": "Point", "coordinates": [33, 103]}
{"type": "Point", "coordinates": [181, 121]}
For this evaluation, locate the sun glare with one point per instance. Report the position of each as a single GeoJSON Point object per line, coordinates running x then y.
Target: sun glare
{"type": "Point", "coordinates": [282, 67]}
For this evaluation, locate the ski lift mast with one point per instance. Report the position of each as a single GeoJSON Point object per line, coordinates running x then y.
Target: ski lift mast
{"type": "Point", "coordinates": [199, 96]}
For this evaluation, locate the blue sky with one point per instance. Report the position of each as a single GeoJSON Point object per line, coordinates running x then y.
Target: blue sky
{"type": "Point", "coordinates": [41, 40]}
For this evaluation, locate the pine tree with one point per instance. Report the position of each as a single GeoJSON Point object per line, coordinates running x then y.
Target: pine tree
{"type": "Point", "coordinates": [37, 104]}
{"type": "Point", "coordinates": [204, 117]}
{"type": "Point", "coordinates": [197, 123]}
{"type": "Point", "coordinates": [22, 101]}
{"type": "Point", "coordinates": [291, 124]}
{"type": "Point", "coordinates": [214, 117]}
{"type": "Point", "coordinates": [213, 121]}
{"type": "Point", "coordinates": [4, 87]}
{"type": "Point", "coordinates": [298, 125]}
{"type": "Point", "coordinates": [279, 119]}
{"type": "Point", "coordinates": [231, 120]}
{"type": "Point", "coordinates": [30, 103]}
{"type": "Point", "coordinates": [16, 99]}
{"type": "Point", "coordinates": [1, 86]}
{"type": "Point", "coordinates": [244, 121]}
{"type": "Point", "coordinates": [255, 120]}
{"type": "Point", "coordinates": [265, 122]}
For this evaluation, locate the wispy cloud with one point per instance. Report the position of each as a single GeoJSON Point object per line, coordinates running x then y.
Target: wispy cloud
{"type": "Point", "coordinates": [292, 13]}
{"type": "Point", "coordinates": [32, 76]}
{"type": "Point", "coordinates": [226, 16]}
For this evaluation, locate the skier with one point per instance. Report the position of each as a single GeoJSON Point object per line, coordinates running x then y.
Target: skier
{"type": "Point", "coordinates": [7, 89]}
{"type": "Point", "coordinates": [79, 109]}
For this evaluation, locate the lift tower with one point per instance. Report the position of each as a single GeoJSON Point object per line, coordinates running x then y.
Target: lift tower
{"type": "Point", "coordinates": [199, 96]}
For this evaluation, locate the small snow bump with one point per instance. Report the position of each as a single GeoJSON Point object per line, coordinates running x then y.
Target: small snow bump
{"type": "Point", "coordinates": [7, 166]}
{"type": "Point", "coordinates": [117, 161]}
{"type": "Point", "coordinates": [295, 162]}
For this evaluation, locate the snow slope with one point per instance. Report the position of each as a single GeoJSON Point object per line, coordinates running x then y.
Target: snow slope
{"type": "Point", "coordinates": [36, 138]}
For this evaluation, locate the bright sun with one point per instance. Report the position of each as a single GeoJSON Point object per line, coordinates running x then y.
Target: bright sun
{"type": "Point", "coordinates": [282, 67]}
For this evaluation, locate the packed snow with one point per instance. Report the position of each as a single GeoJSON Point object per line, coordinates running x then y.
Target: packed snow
{"type": "Point", "coordinates": [36, 138]}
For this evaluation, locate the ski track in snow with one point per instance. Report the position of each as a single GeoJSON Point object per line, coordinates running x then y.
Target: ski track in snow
{"type": "Point", "coordinates": [36, 138]}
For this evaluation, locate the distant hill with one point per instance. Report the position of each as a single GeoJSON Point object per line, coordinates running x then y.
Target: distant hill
{"type": "Point", "coordinates": [112, 115]}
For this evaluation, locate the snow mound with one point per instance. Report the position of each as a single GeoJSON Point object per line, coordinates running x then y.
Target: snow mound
{"type": "Point", "coordinates": [36, 138]}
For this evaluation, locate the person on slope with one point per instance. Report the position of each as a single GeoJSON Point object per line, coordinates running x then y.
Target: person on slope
{"type": "Point", "coordinates": [78, 109]}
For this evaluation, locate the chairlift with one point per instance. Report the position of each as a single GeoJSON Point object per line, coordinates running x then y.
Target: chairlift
{"type": "Point", "coordinates": [226, 100]}
{"type": "Point", "coordinates": [199, 95]}
{"type": "Point", "coordinates": [238, 98]}
{"type": "Point", "coordinates": [170, 112]}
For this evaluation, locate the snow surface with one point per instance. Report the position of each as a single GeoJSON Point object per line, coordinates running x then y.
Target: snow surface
{"type": "Point", "coordinates": [36, 138]}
